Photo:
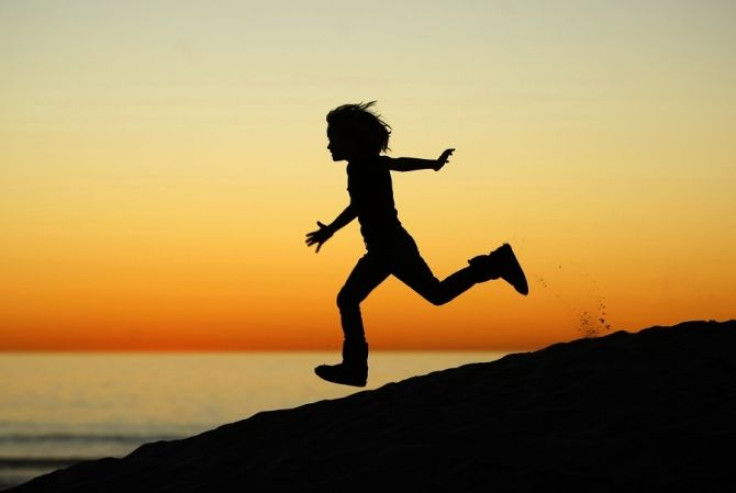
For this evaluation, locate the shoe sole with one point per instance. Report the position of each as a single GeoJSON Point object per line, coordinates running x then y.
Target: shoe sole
{"type": "Point", "coordinates": [328, 378]}
{"type": "Point", "coordinates": [515, 275]}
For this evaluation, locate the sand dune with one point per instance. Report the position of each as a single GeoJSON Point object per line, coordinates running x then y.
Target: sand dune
{"type": "Point", "coordinates": [650, 411]}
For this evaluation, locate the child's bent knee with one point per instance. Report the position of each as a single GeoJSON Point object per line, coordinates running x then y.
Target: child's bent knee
{"type": "Point", "coordinates": [438, 300]}
{"type": "Point", "coordinates": [346, 300]}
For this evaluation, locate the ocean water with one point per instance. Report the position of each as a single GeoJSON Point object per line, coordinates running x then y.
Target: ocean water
{"type": "Point", "coordinates": [58, 409]}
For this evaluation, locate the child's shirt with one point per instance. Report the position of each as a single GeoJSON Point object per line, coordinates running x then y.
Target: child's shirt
{"type": "Point", "coordinates": [371, 195]}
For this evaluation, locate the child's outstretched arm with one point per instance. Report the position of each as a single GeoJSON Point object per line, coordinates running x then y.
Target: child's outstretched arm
{"type": "Point", "coordinates": [325, 232]}
{"type": "Point", "coordinates": [411, 163]}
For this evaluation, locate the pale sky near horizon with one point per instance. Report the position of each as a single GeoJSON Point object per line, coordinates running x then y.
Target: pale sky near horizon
{"type": "Point", "coordinates": [161, 161]}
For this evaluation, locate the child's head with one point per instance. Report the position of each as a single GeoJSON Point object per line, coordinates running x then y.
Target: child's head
{"type": "Point", "coordinates": [355, 130]}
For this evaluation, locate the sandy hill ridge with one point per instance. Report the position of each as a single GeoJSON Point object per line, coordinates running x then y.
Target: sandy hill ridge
{"type": "Point", "coordinates": [650, 411]}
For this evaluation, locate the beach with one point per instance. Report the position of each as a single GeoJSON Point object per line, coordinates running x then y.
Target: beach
{"type": "Point", "coordinates": [58, 409]}
{"type": "Point", "coordinates": [644, 411]}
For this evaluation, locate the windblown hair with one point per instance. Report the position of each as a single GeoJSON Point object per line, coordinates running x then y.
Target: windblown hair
{"type": "Point", "coordinates": [363, 126]}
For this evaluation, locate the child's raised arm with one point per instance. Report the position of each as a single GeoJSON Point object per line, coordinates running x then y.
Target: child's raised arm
{"type": "Point", "coordinates": [412, 163]}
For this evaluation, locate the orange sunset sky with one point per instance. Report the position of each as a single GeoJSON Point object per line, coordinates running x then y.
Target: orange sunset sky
{"type": "Point", "coordinates": [161, 162]}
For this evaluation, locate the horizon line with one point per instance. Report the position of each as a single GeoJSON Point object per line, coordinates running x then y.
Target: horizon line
{"type": "Point", "coordinates": [264, 350]}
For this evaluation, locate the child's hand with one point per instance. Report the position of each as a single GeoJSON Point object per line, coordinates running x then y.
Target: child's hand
{"type": "Point", "coordinates": [443, 159]}
{"type": "Point", "coordinates": [323, 234]}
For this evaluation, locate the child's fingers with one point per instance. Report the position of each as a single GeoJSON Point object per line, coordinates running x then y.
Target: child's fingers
{"type": "Point", "coordinates": [446, 155]}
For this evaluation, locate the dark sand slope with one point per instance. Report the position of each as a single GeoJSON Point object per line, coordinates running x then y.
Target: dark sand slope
{"type": "Point", "coordinates": [651, 411]}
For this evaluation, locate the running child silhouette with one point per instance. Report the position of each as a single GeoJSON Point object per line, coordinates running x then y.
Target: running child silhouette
{"type": "Point", "coordinates": [358, 135]}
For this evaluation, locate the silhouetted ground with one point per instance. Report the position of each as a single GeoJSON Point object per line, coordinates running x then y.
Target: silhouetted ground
{"type": "Point", "coordinates": [651, 411]}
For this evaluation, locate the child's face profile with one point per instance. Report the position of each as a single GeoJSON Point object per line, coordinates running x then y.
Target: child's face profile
{"type": "Point", "coordinates": [339, 146]}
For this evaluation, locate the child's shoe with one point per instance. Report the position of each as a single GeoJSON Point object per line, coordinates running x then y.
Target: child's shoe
{"type": "Point", "coordinates": [500, 263]}
{"type": "Point", "coordinates": [354, 367]}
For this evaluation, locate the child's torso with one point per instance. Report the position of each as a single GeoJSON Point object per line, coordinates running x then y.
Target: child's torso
{"type": "Point", "coordinates": [371, 194]}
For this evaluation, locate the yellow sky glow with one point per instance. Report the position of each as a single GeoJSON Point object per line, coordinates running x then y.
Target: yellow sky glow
{"type": "Point", "coordinates": [161, 162]}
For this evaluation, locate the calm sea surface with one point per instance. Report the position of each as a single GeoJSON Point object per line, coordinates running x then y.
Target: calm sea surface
{"type": "Point", "coordinates": [57, 409]}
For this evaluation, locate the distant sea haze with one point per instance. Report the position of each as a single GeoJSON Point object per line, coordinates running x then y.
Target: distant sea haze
{"type": "Point", "coordinates": [60, 408]}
